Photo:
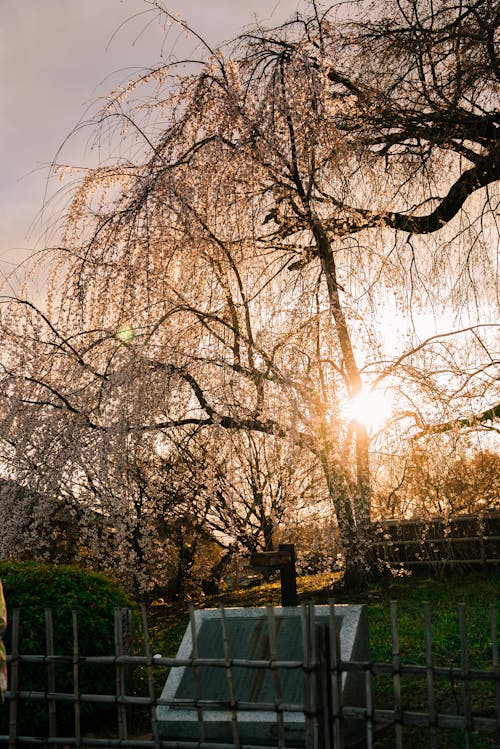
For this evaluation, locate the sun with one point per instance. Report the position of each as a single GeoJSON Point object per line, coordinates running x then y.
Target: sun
{"type": "Point", "coordinates": [370, 408]}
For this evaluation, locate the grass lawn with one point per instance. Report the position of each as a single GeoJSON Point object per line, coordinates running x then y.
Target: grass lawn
{"type": "Point", "coordinates": [444, 594]}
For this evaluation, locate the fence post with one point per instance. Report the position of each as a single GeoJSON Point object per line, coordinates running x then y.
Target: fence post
{"type": "Point", "coordinates": [14, 680]}
{"type": "Point", "coordinates": [278, 697]}
{"type": "Point", "coordinates": [324, 687]}
{"type": "Point", "coordinates": [126, 639]}
{"type": "Point", "coordinates": [466, 690]}
{"type": "Point", "coordinates": [482, 544]}
{"type": "Point", "coordinates": [120, 676]}
{"type": "Point", "coordinates": [430, 677]}
{"type": "Point", "coordinates": [196, 673]}
{"type": "Point", "coordinates": [495, 664]}
{"type": "Point", "coordinates": [51, 672]}
{"type": "Point", "coordinates": [229, 681]}
{"type": "Point", "coordinates": [76, 680]}
{"type": "Point", "coordinates": [335, 678]}
{"type": "Point", "coordinates": [396, 676]}
{"type": "Point", "coordinates": [308, 640]}
{"type": "Point", "coordinates": [150, 675]}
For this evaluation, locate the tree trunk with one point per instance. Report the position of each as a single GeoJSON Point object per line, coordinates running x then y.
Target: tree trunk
{"type": "Point", "coordinates": [353, 516]}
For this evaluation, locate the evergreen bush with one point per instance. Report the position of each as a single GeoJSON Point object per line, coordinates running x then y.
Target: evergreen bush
{"type": "Point", "coordinates": [33, 587]}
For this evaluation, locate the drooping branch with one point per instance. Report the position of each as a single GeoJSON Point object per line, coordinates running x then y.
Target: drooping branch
{"type": "Point", "coordinates": [490, 415]}
{"type": "Point", "coordinates": [469, 181]}
{"type": "Point", "coordinates": [395, 365]}
{"type": "Point", "coordinates": [359, 219]}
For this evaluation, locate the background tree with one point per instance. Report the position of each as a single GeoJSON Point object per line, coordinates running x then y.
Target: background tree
{"type": "Point", "coordinates": [234, 268]}
{"type": "Point", "coordinates": [443, 480]}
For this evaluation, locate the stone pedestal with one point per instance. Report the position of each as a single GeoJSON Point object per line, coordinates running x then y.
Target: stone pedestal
{"type": "Point", "coordinates": [248, 638]}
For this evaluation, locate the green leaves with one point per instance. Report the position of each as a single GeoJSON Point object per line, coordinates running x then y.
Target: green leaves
{"type": "Point", "coordinates": [33, 588]}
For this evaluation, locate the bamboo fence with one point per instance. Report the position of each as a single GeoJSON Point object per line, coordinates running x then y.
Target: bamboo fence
{"type": "Point", "coordinates": [462, 541]}
{"type": "Point", "coordinates": [325, 712]}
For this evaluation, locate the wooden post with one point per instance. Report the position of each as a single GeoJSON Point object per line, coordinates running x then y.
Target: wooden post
{"type": "Point", "coordinates": [278, 696]}
{"type": "Point", "coordinates": [14, 680]}
{"type": "Point", "coordinates": [120, 677]}
{"type": "Point", "coordinates": [396, 676]}
{"type": "Point", "coordinates": [283, 560]}
{"type": "Point", "coordinates": [51, 672]}
{"type": "Point", "coordinates": [335, 690]}
{"type": "Point", "coordinates": [324, 687]}
{"type": "Point", "coordinates": [76, 680]}
{"type": "Point", "coordinates": [150, 676]}
{"type": "Point", "coordinates": [288, 577]}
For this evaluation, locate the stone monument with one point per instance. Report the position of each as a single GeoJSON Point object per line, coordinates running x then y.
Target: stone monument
{"type": "Point", "coordinates": [246, 635]}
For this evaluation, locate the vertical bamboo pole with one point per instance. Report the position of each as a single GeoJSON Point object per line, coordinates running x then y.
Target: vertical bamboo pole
{"type": "Point", "coordinates": [308, 648]}
{"type": "Point", "coordinates": [313, 677]}
{"type": "Point", "coordinates": [396, 675]}
{"type": "Point", "coordinates": [229, 679]}
{"type": "Point", "coordinates": [197, 673]}
{"type": "Point", "coordinates": [482, 547]}
{"type": "Point", "coordinates": [495, 663]}
{"type": "Point", "coordinates": [51, 676]}
{"type": "Point", "coordinates": [14, 680]}
{"type": "Point", "coordinates": [336, 678]}
{"type": "Point", "coordinates": [324, 692]}
{"type": "Point", "coordinates": [464, 657]}
{"type": "Point", "coordinates": [150, 677]}
{"type": "Point", "coordinates": [369, 708]}
{"type": "Point", "coordinates": [430, 677]}
{"type": "Point", "coordinates": [310, 675]}
{"type": "Point", "coordinates": [120, 677]}
{"type": "Point", "coordinates": [273, 652]}
{"type": "Point", "coordinates": [76, 681]}
{"type": "Point", "coordinates": [128, 648]}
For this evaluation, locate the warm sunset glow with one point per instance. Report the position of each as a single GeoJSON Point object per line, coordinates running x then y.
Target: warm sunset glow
{"type": "Point", "coordinates": [371, 408]}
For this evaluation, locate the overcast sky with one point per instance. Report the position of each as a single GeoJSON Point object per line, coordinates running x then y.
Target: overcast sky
{"type": "Point", "coordinates": [56, 57]}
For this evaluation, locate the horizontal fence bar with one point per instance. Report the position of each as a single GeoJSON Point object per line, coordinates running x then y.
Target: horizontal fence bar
{"type": "Point", "coordinates": [404, 669]}
{"type": "Point", "coordinates": [446, 673]}
{"type": "Point", "coordinates": [443, 562]}
{"type": "Point", "coordinates": [440, 672]}
{"type": "Point", "coordinates": [139, 743]}
{"type": "Point", "coordinates": [410, 718]}
{"type": "Point", "coordinates": [140, 660]}
{"type": "Point", "coordinates": [380, 716]}
{"type": "Point", "coordinates": [449, 541]}
{"type": "Point", "coordinates": [113, 699]}
{"type": "Point", "coordinates": [240, 704]}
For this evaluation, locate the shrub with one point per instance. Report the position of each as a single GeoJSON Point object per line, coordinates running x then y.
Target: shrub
{"type": "Point", "coordinates": [34, 587]}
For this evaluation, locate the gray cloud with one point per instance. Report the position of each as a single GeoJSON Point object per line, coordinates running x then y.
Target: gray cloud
{"type": "Point", "coordinates": [56, 56]}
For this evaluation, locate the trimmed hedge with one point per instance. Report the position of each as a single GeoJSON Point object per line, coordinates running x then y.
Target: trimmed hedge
{"type": "Point", "coordinates": [34, 587]}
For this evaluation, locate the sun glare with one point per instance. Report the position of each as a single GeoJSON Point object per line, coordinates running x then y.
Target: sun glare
{"type": "Point", "coordinates": [371, 408]}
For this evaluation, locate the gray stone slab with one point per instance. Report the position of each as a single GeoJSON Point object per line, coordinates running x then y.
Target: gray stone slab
{"type": "Point", "coordinates": [248, 638]}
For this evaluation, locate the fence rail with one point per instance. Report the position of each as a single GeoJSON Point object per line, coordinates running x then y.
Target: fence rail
{"type": "Point", "coordinates": [464, 541]}
{"type": "Point", "coordinates": [326, 713]}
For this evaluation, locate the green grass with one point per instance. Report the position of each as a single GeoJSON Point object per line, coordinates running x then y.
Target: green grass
{"type": "Point", "coordinates": [444, 595]}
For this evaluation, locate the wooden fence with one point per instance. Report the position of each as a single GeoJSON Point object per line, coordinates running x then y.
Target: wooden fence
{"type": "Point", "coordinates": [460, 542]}
{"type": "Point", "coordinates": [408, 704]}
